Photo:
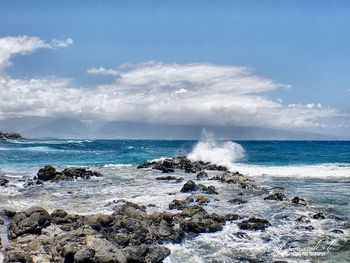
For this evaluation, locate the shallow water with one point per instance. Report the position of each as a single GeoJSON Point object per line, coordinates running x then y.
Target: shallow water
{"type": "Point", "coordinates": [325, 184]}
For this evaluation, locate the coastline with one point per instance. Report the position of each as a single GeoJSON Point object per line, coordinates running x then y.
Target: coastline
{"type": "Point", "coordinates": [196, 204]}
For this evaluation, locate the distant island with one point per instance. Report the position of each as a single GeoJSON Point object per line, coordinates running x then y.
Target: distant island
{"type": "Point", "coordinates": [9, 136]}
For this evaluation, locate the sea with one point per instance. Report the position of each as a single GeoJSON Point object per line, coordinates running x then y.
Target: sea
{"type": "Point", "coordinates": [318, 171]}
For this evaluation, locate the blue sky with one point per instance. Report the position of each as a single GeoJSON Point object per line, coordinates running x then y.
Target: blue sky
{"type": "Point", "coordinates": [304, 44]}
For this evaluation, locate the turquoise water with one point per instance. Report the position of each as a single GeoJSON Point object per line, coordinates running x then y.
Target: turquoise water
{"type": "Point", "coordinates": [318, 171]}
{"type": "Point", "coordinates": [100, 152]}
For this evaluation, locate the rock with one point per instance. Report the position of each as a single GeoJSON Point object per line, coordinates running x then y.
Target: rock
{"type": "Point", "coordinates": [254, 223]}
{"type": "Point", "coordinates": [299, 201]}
{"type": "Point", "coordinates": [237, 201]}
{"type": "Point", "coordinates": [303, 219]}
{"type": "Point", "coordinates": [318, 215]}
{"type": "Point", "coordinates": [337, 231]}
{"type": "Point", "coordinates": [182, 163]}
{"type": "Point", "coordinates": [4, 182]}
{"type": "Point", "coordinates": [190, 186]}
{"type": "Point", "coordinates": [47, 173]}
{"type": "Point", "coordinates": [9, 136]}
{"type": "Point", "coordinates": [166, 178]}
{"type": "Point", "coordinates": [202, 175]}
{"type": "Point", "coordinates": [31, 221]}
{"type": "Point", "coordinates": [201, 199]}
{"type": "Point", "coordinates": [200, 221]}
{"type": "Point", "coordinates": [275, 197]}
{"type": "Point", "coordinates": [180, 204]}
{"type": "Point", "coordinates": [241, 234]}
{"type": "Point", "coordinates": [235, 178]}
{"type": "Point", "coordinates": [207, 189]}
{"type": "Point", "coordinates": [7, 212]}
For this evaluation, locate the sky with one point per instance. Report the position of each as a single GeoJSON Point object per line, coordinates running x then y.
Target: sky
{"type": "Point", "coordinates": [278, 64]}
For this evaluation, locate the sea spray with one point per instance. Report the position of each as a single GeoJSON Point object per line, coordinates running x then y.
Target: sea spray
{"type": "Point", "coordinates": [222, 153]}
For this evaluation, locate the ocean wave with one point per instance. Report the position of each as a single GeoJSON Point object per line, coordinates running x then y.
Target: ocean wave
{"type": "Point", "coordinates": [326, 170]}
{"type": "Point", "coordinates": [111, 165]}
{"type": "Point", "coordinates": [221, 153]}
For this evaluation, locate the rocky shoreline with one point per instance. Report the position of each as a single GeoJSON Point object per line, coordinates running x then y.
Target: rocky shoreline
{"type": "Point", "coordinates": [9, 136]}
{"type": "Point", "coordinates": [130, 233]}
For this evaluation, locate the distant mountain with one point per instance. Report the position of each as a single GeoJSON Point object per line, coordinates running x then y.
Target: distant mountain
{"type": "Point", "coordinates": [40, 127]}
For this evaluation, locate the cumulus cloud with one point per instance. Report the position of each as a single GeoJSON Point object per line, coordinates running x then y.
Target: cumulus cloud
{"type": "Point", "coordinates": [154, 92]}
{"type": "Point", "coordinates": [10, 46]}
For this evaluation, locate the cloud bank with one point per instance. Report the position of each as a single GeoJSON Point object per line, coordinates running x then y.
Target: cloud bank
{"type": "Point", "coordinates": [154, 92]}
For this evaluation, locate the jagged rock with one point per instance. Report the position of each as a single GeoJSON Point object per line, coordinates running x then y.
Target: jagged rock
{"type": "Point", "coordinates": [4, 182]}
{"type": "Point", "coordinates": [49, 173]}
{"type": "Point", "coordinates": [201, 222]}
{"type": "Point", "coordinates": [299, 201]}
{"type": "Point", "coordinates": [180, 204]}
{"type": "Point", "coordinates": [238, 201]}
{"type": "Point", "coordinates": [303, 219]}
{"type": "Point", "coordinates": [190, 186]}
{"type": "Point", "coordinates": [318, 215]}
{"type": "Point", "coordinates": [254, 223]}
{"type": "Point", "coordinates": [30, 221]}
{"type": "Point", "coordinates": [201, 199]}
{"type": "Point", "coordinates": [202, 175]}
{"type": "Point", "coordinates": [182, 163]}
{"type": "Point", "coordinates": [235, 178]}
{"type": "Point", "coordinates": [275, 197]}
{"type": "Point", "coordinates": [7, 212]}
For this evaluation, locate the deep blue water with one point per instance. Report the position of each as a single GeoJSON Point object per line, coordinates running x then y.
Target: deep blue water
{"type": "Point", "coordinates": [100, 152]}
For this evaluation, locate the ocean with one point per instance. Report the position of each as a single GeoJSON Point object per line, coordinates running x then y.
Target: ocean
{"type": "Point", "coordinates": [318, 171]}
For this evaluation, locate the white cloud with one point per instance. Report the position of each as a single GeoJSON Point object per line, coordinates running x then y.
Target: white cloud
{"type": "Point", "coordinates": [10, 46]}
{"type": "Point", "coordinates": [197, 93]}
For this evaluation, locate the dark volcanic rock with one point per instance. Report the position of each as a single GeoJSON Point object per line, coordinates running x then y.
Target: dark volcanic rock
{"type": "Point", "coordinates": [318, 215]}
{"type": "Point", "coordinates": [299, 201]}
{"type": "Point", "coordinates": [254, 223]}
{"type": "Point", "coordinates": [275, 197]}
{"type": "Point", "coordinates": [180, 204]}
{"type": "Point", "coordinates": [237, 201]}
{"type": "Point", "coordinates": [182, 163]}
{"type": "Point", "coordinates": [202, 175]}
{"type": "Point", "coordinates": [231, 217]}
{"type": "Point", "coordinates": [190, 186]}
{"type": "Point", "coordinates": [4, 182]}
{"type": "Point", "coordinates": [49, 173]}
{"type": "Point", "coordinates": [31, 221]}
{"type": "Point", "coordinates": [235, 178]}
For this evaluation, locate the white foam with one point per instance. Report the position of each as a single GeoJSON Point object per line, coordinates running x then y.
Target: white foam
{"type": "Point", "coordinates": [111, 165]}
{"type": "Point", "coordinates": [221, 153]}
{"type": "Point", "coordinates": [327, 170]}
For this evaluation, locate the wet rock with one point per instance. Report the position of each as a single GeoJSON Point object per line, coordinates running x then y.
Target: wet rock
{"type": "Point", "coordinates": [254, 223]}
{"type": "Point", "coordinates": [318, 215]}
{"type": "Point", "coordinates": [235, 178]}
{"type": "Point", "coordinates": [190, 186]}
{"type": "Point", "coordinates": [237, 201]}
{"type": "Point", "coordinates": [201, 199]}
{"type": "Point", "coordinates": [8, 213]}
{"type": "Point", "coordinates": [202, 175]}
{"type": "Point", "coordinates": [180, 204]}
{"type": "Point", "coordinates": [275, 197]}
{"type": "Point", "coordinates": [303, 219]}
{"type": "Point", "coordinates": [299, 201]}
{"type": "Point", "coordinates": [4, 182]}
{"type": "Point", "coordinates": [49, 173]}
{"type": "Point", "coordinates": [30, 221]}
{"type": "Point", "coordinates": [166, 178]}
{"type": "Point", "coordinates": [337, 231]}
{"type": "Point", "coordinates": [242, 235]}
{"type": "Point", "coordinates": [182, 163]}
{"type": "Point", "coordinates": [200, 221]}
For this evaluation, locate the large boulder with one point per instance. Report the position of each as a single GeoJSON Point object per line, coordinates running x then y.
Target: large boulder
{"type": "Point", "coordinates": [275, 197]}
{"type": "Point", "coordinates": [254, 223]}
{"type": "Point", "coordinates": [47, 173]}
{"type": "Point", "coordinates": [30, 221]}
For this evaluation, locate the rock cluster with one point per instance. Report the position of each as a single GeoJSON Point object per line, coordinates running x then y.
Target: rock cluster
{"type": "Point", "coordinates": [9, 136]}
{"type": "Point", "coordinates": [182, 163]}
{"type": "Point", "coordinates": [128, 235]}
{"type": "Point", "coordinates": [49, 173]}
